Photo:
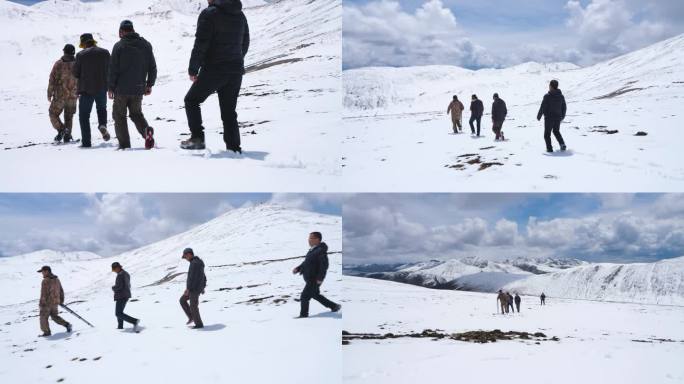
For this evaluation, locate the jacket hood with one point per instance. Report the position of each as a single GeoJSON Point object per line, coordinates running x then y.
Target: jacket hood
{"type": "Point", "coordinates": [555, 92]}
{"type": "Point", "coordinates": [322, 245]}
{"type": "Point", "coordinates": [229, 6]}
{"type": "Point", "coordinates": [68, 58]}
{"type": "Point", "coordinates": [196, 259]}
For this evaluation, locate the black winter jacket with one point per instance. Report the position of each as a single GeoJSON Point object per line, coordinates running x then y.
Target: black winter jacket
{"type": "Point", "coordinates": [90, 68]}
{"type": "Point", "coordinates": [315, 264]}
{"type": "Point", "coordinates": [476, 108]}
{"type": "Point", "coordinates": [221, 40]}
{"type": "Point", "coordinates": [122, 286]}
{"type": "Point", "coordinates": [197, 280]}
{"type": "Point", "coordinates": [553, 106]}
{"type": "Point", "coordinates": [133, 67]}
{"type": "Point", "coordinates": [499, 110]}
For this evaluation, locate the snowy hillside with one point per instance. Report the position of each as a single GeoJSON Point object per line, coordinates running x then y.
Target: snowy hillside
{"type": "Point", "coordinates": [596, 342]}
{"type": "Point", "coordinates": [289, 109]}
{"type": "Point", "coordinates": [661, 282]}
{"type": "Point", "coordinates": [248, 309]}
{"type": "Point", "coordinates": [396, 124]}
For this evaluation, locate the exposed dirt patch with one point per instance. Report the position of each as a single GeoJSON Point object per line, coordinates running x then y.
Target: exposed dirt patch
{"type": "Point", "coordinates": [618, 92]}
{"type": "Point", "coordinates": [641, 133]}
{"type": "Point", "coordinates": [165, 279]}
{"type": "Point", "coordinates": [239, 287]}
{"type": "Point", "coordinates": [606, 131]}
{"type": "Point", "coordinates": [479, 336]}
{"type": "Point", "coordinates": [268, 261]}
{"type": "Point", "coordinates": [256, 300]}
{"type": "Point", "coordinates": [484, 166]}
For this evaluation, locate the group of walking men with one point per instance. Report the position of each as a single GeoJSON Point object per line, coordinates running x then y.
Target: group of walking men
{"type": "Point", "coordinates": [553, 109]}
{"type": "Point", "coordinates": [313, 269]}
{"type": "Point", "coordinates": [130, 72]}
{"type": "Point", "coordinates": [506, 301]}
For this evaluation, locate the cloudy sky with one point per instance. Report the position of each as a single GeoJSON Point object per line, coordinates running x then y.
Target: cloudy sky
{"type": "Point", "coordinates": [389, 228]}
{"type": "Point", "coordinates": [108, 224]}
{"type": "Point", "coordinates": [500, 33]}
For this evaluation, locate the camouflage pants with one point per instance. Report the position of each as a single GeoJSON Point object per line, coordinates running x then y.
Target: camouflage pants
{"type": "Point", "coordinates": [52, 313]}
{"type": "Point", "coordinates": [57, 106]}
{"type": "Point", "coordinates": [456, 122]}
{"type": "Point", "coordinates": [132, 105]}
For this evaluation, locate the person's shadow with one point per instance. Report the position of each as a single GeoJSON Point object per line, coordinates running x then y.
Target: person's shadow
{"type": "Point", "coordinates": [59, 336]}
{"type": "Point", "coordinates": [212, 327]}
{"type": "Point", "coordinates": [559, 153]}
{"type": "Point", "coordinates": [254, 155]}
{"type": "Point", "coordinates": [328, 315]}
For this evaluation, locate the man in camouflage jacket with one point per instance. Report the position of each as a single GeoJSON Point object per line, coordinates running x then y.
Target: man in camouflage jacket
{"type": "Point", "coordinates": [61, 93]}
{"type": "Point", "coordinates": [51, 296]}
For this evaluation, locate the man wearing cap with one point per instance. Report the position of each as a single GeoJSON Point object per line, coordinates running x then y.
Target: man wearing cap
{"type": "Point", "coordinates": [313, 269]}
{"type": "Point", "coordinates": [91, 71]}
{"type": "Point", "coordinates": [62, 93]}
{"type": "Point", "coordinates": [195, 285]}
{"type": "Point", "coordinates": [51, 296]}
{"type": "Point", "coordinates": [499, 113]}
{"type": "Point", "coordinates": [217, 65]}
{"type": "Point", "coordinates": [132, 73]}
{"type": "Point", "coordinates": [122, 293]}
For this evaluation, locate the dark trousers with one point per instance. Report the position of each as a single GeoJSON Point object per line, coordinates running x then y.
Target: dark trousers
{"type": "Point", "coordinates": [496, 128]}
{"type": "Point", "coordinates": [227, 85]}
{"type": "Point", "coordinates": [132, 105]}
{"type": "Point", "coordinates": [85, 106]}
{"type": "Point", "coordinates": [121, 316]}
{"type": "Point", "coordinates": [313, 291]}
{"type": "Point", "coordinates": [192, 310]}
{"type": "Point", "coordinates": [517, 306]}
{"type": "Point", "coordinates": [552, 125]}
{"type": "Point", "coordinates": [472, 119]}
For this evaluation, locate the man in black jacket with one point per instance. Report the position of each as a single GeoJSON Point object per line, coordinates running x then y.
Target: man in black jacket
{"type": "Point", "coordinates": [499, 113]}
{"type": "Point", "coordinates": [132, 74]}
{"type": "Point", "coordinates": [90, 69]}
{"type": "Point", "coordinates": [217, 65]}
{"type": "Point", "coordinates": [122, 293]}
{"type": "Point", "coordinates": [476, 110]}
{"type": "Point", "coordinates": [553, 109]}
{"type": "Point", "coordinates": [313, 269]}
{"type": "Point", "coordinates": [195, 285]}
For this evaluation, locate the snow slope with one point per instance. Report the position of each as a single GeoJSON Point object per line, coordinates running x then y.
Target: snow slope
{"type": "Point", "coordinates": [250, 333]}
{"type": "Point", "coordinates": [661, 282]}
{"type": "Point", "coordinates": [397, 133]}
{"type": "Point", "coordinates": [289, 109]}
{"type": "Point", "coordinates": [598, 342]}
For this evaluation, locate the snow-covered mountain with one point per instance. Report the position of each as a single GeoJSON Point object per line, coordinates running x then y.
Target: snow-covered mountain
{"type": "Point", "coordinates": [660, 282]}
{"type": "Point", "coordinates": [289, 109]}
{"type": "Point", "coordinates": [249, 306]}
{"type": "Point", "coordinates": [623, 116]}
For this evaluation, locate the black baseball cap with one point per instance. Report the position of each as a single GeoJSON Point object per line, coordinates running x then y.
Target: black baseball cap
{"type": "Point", "coordinates": [69, 49]}
{"type": "Point", "coordinates": [126, 25]}
{"type": "Point", "coordinates": [187, 250]}
{"type": "Point", "coordinates": [45, 268]}
{"type": "Point", "coordinates": [116, 265]}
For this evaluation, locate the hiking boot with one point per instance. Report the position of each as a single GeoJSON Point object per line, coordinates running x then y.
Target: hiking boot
{"type": "Point", "coordinates": [336, 308]}
{"type": "Point", "coordinates": [192, 143]}
{"type": "Point", "coordinates": [234, 149]}
{"type": "Point", "coordinates": [502, 137]}
{"type": "Point", "coordinates": [84, 146]}
{"type": "Point", "coordinates": [103, 131]}
{"type": "Point", "coordinates": [45, 334]}
{"type": "Point", "coordinates": [135, 326]}
{"type": "Point", "coordinates": [68, 327]}
{"type": "Point", "coordinates": [549, 150]}
{"type": "Point", "coordinates": [563, 147]}
{"type": "Point", "coordinates": [149, 138]}
{"type": "Point", "coordinates": [198, 327]}
{"type": "Point", "coordinates": [67, 137]}
{"type": "Point", "coordinates": [301, 317]}
{"type": "Point", "coordinates": [60, 136]}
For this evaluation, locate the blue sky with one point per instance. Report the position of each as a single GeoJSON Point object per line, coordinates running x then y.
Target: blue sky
{"type": "Point", "coordinates": [387, 228]}
{"type": "Point", "coordinates": [499, 33]}
{"type": "Point", "coordinates": [111, 223]}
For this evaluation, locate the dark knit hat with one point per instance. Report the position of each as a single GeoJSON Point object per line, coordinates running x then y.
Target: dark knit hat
{"type": "Point", "coordinates": [126, 25]}
{"type": "Point", "coordinates": [69, 49]}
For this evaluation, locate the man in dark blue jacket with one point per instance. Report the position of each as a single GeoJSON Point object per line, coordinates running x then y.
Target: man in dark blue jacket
{"type": "Point", "coordinates": [122, 293]}
{"type": "Point", "coordinates": [313, 269]}
{"type": "Point", "coordinates": [476, 110]}
{"type": "Point", "coordinates": [195, 285]}
{"type": "Point", "coordinates": [553, 109]}
{"type": "Point", "coordinates": [217, 65]}
{"type": "Point", "coordinates": [499, 112]}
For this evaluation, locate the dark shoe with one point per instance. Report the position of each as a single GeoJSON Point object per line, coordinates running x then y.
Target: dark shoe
{"type": "Point", "coordinates": [135, 326]}
{"type": "Point", "coordinates": [46, 334]}
{"type": "Point", "coordinates": [549, 150]}
{"type": "Point", "coordinates": [198, 327]}
{"type": "Point", "coordinates": [120, 327]}
{"type": "Point", "coordinates": [60, 136]}
{"type": "Point", "coordinates": [84, 146]}
{"type": "Point", "coordinates": [336, 308]}
{"type": "Point", "coordinates": [67, 137]}
{"type": "Point", "coordinates": [234, 149]}
{"type": "Point", "coordinates": [502, 137]}
{"type": "Point", "coordinates": [189, 322]}
{"type": "Point", "coordinates": [103, 131]}
{"type": "Point", "coordinates": [302, 317]}
{"type": "Point", "coordinates": [149, 138]}
{"type": "Point", "coordinates": [563, 148]}
{"type": "Point", "coordinates": [68, 327]}
{"type": "Point", "coordinates": [192, 143]}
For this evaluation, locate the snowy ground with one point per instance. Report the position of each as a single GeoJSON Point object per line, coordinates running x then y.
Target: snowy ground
{"type": "Point", "coordinates": [399, 137]}
{"type": "Point", "coordinates": [250, 333]}
{"type": "Point", "coordinates": [596, 338]}
{"type": "Point", "coordinates": [289, 107]}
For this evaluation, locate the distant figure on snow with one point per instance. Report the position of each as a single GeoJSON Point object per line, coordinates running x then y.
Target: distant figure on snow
{"type": "Point", "coordinates": [502, 298]}
{"type": "Point", "coordinates": [499, 113]}
{"type": "Point", "coordinates": [553, 109]}
{"type": "Point", "coordinates": [313, 269]}
{"type": "Point", "coordinates": [122, 293]}
{"type": "Point", "coordinates": [62, 93]}
{"type": "Point", "coordinates": [510, 302]}
{"type": "Point", "coordinates": [517, 302]}
{"type": "Point", "coordinates": [132, 74]}
{"type": "Point", "coordinates": [91, 69]}
{"type": "Point", "coordinates": [456, 109]}
{"type": "Point", "coordinates": [476, 110]}
{"type": "Point", "coordinates": [217, 65]}
{"type": "Point", "coordinates": [195, 285]}
{"type": "Point", "coordinates": [543, 299]}
{"type": "Point", "coordinates": [51, 296]}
